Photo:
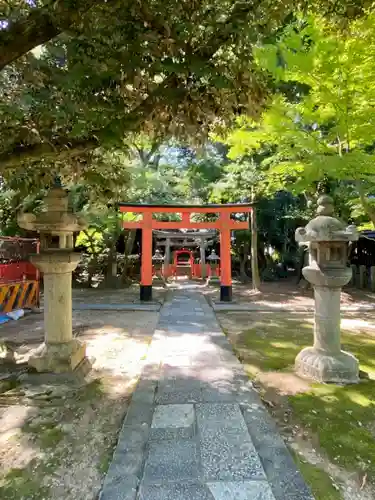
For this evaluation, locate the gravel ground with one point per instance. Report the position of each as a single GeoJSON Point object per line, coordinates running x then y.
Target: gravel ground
{"type": "Point", "coordinates": [56, 437]}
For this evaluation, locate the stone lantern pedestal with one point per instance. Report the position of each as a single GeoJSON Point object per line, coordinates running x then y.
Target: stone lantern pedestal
{"type": "Point", "coordinates": [60, 352]}
{"type": "Point", "coordinates": [157, 262]}
{"type": "Point", "coordinates": [327, 239]}
{"type": "Point", "coordinates": [213, 259]}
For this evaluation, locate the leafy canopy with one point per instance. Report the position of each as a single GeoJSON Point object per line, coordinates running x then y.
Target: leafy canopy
{"type": "Point", "coordinates": [82, 73]}
{"type": "Point", "coordinates": [328, 128]}
{"type": "Point", "coordinates": [164, 67]}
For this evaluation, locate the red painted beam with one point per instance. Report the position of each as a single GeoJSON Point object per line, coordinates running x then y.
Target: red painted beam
{"type": "Point", "coordinates": [156, 224]}
{"type": "Point", "coordinates": [214, 209]}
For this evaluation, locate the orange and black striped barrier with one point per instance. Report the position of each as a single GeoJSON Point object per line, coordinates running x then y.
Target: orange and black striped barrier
{"type": "Point", "coordinates": [19, 295]}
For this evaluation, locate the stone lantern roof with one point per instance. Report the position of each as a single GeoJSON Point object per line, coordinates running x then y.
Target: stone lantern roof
{"type": "Point", "coordinates": [325, 227]}
{"type": "Point", "coordinates": [56, 219]}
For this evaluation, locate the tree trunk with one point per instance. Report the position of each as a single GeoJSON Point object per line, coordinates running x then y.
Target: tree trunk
{"type": "Point", "coordinates": [301, 263]}
{"type": "Point", "coordinates": [243, 263]}
{"type": "Point", "coordinates": [368, 208]}
{"type": "Point", "coordinates": [111, 271]}
{"type": "Point", "coordinates": [254, 249]}
{"type": "Point", "coordinates": [39, 26]}
{"type": "Point", "coordinates": [243, 275]}
{"type": "Point", "coordinates": [91, 269]}
{"type": "Point", "coordinates": [128, 248]}
{"type": "Point", "coordinates": [92, 264]}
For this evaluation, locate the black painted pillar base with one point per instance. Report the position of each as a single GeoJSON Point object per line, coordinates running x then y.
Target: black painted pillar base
{"type": "Point", "coordinates": [226, 293]}
{"type": "Point", "coordinates": [145, 293]}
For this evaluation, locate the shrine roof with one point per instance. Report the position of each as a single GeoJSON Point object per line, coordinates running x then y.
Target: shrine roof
{"type": "Point", "coordinates": [185, 235]}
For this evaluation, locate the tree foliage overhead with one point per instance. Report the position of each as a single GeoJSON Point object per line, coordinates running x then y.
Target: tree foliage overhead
{"type": "Point", "coordinates": [166, 67]}
{"type": "Point", "coordinates": [106, 68]}
{"type": "Point", "coordinates": [29, 23]}
{"type": "Point", "coordinates": [322, 130]}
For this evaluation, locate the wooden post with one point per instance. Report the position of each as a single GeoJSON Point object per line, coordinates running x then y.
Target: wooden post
{"type": "Point", "coordinates": [372, 278]}
{"type": "Point", "coordinates": [225, 259]}
{"type": "Point", "coordinates": [203, 259]}
{"type": "Point", "coordinates": [167, 257]}
{"type": "Point", "coordinates": [362, 276]}
{"type": "Point", "coordinates": [146, 261]}
{"type": "Point", "coordinates": [354, 275]}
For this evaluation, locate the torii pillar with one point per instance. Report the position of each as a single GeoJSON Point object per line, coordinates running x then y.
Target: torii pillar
{"type": "Point", "coordinates": [146, 260]}
{"type": "Point", "coordinates": [224, 224]}
{"type": "Point", "coordinates": [225, 258]}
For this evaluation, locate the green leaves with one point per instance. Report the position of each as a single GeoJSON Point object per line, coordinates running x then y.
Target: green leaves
{"type": "Point", "coordinates": [165, 68]}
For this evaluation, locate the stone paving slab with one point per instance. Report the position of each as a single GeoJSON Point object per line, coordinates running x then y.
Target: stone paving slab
{"type": "Point", "coordinates": [179, 491]}
{"type": "Point", "coordinates": [241, 490]}
{"type": "Point", "coordinates": [195, 429]}
{"type": "Point", "coordinates": [229, 454]}
{"type": "Point", "coordinates": [171, 460]}
{"type": "Point", "coordinates": [173, 422]}
{"type": "Point", "coordinates": [215, 416]}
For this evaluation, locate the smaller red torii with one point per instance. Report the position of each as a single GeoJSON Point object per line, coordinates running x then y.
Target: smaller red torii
{"type": "Point", "coordinates": [224, 224]}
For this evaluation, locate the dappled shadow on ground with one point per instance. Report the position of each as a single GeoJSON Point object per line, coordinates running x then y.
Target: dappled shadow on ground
{"type": "Point", "coordinates": [288, 293]}
{"type": "Point", "coordinates": [270, 341]}
{"type": "Point", "coordinates": [199, 366]}
{"type": "Point", "coordinates": [57, 434]}
{"type": "Point", "coordinates": [110, 296]}
{"type": "Point", "coordinates": [335, 422]}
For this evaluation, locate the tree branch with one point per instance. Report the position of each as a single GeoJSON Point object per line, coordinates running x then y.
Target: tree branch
{"type": "Point", "coordinates": [134, 119]}
{"type": "Point", "coordinates": [20, 153]}
{"type": "Point", "coordinates": [39, 26]}
{"type": "Point", "coordinates": [239, 13]}
{"type": "Point", "coordinates": [368, 208]}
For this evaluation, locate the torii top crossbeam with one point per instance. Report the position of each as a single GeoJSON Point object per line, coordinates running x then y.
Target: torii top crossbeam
{"type": "Point", "coordinates": [224, 223]}
{"type": "Point", "coordinates": [224, 212]}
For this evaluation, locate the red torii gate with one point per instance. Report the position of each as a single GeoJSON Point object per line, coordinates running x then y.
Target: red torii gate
{"type": "Point", "coordinates": [224, 224]}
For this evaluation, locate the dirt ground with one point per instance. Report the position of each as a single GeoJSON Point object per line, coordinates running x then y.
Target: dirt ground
{"type": "Point", "coordinates": [287, 294]}
{"type": "Point", "coordinates": [126, 295]}
{"type": "Point", "coordinates": [56, 436]}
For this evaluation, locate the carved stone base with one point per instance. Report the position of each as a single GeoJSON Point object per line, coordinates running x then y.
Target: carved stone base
{"type": "Point", "coordinates": [159, 281]}
{"type": "Point", "coordinates": [213, 280]}
{"type": "Point", "coordinates": [315, 364]}
{"type": "Point", "coordinates": [59, 358]}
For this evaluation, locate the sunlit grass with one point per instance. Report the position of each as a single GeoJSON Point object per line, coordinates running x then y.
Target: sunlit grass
{"type": "Point", "coordinates": [318, 480]}
{"type": "Point", "coordinates": [341, 419]}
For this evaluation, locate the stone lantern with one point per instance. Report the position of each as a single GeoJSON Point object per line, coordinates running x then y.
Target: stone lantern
{"type": "Point", "coordinates": [60, 352]}
{"type": "Point", "coordinates": [327, 239]}
{"type": "Point", "coordinates": [157, 261]}
{"type": "Point", "coordinates": [214, 260]}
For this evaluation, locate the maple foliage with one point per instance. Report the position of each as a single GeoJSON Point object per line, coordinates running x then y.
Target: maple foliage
{"type": "Point", "coordinates": [325, 127]}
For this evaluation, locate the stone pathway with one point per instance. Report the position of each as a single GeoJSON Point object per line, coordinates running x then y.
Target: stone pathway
{"type": "Point", "coordinates": [195, 429]}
